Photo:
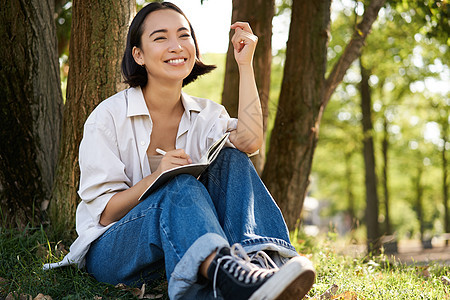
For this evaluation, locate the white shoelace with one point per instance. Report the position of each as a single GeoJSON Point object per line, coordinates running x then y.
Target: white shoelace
{"type": "Point", "coordinates": [261, 258]}
{"type": "Point", "coordinates": [238, 262]}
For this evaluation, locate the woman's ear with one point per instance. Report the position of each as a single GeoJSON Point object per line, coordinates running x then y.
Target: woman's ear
{"type": "Point", "coordinates": [137, 55]}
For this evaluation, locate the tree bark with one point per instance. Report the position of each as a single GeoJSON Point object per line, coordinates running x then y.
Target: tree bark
{"type": "Point", "coordinates": [445, 133]}
{"type": "Point", "coordinates": [96, 47]}
{"type": "Point", "coordinates": [353, 49]}
{"type": "Point", "coordinates": [385, 149]}
{"type": "Point", "coordinates": [349, 186]}
{"type": "Point", "coordinates": [260, 20]}
{"type": "Point", "coordinates": [419, 201]}
{"type": "Point", "coordinates": [294, 136]}
{"type": "Point", "coordinates": [31, 108]}
{"type": "Point", "coordinates": [303, 98]}
{"type": "Point", "coordinates": [373, 232]}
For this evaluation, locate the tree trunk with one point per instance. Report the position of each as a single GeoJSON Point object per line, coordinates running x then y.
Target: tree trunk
{"type": "Point", "coordinates": [387, 219]}
{"type": "Point", "coordinates": [353, 49]}
{"type": "Point", "coordinates": [419, 201]}
{"type": "Point", "coordinates": [294, 136]}
{"type": "Point", "coordinates": [303, 98]}
{"type": "Point", "coordinates": [31, 108]}
{"type": "Point", "coordinates": [445, 176]}
{"type": "Point", "coordinates": [373, 232]}
{"type": "Point", "coordinates": [349, 187]}
{"type": "Point", "coordinates": [96, 48]}
{"type": "Point", "coordinates": [260, 20]}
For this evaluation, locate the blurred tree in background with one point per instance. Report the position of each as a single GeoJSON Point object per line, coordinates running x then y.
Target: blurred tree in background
{"type": "Point", "coordinates": [304, 95]}
{"type": "Point", "coordinates": [408, 68]}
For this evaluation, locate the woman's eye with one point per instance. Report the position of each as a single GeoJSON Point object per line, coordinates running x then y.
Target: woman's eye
{"type": "Point", "coordinates": [186, 35]}
{"type": "Point", "coordinates": [159, 38]}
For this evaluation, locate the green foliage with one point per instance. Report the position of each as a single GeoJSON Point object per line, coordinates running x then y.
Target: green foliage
{"type": "Point", "coordinates": [283, 6]}
{"type": "Point", "coordinates": [63, 20]}
{"type": "Point", "coordinates": [400, 57]}
{"type": "Point", "coordinates": [404, 61]}
{"type": "Point", "coordinates": [434, 15]}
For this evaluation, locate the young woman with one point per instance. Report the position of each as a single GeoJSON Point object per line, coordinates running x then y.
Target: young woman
{"type": "Point", "coordinates": [221, 236]}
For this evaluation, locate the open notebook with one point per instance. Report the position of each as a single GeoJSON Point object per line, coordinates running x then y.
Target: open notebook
{"type": "Point", "coordinates": [194, 169]}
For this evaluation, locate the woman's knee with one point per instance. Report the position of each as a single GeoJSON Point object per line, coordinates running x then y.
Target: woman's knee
{"type": "Point", "coordinates": [183, 183]}
{"type": "Point", "coordinates": [234, 155]}
{"type": "Point", "coordinates": [185, 190]}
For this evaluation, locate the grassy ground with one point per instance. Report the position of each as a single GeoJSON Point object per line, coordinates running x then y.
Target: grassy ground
{"type": "Point", "coordinates": [23, 253]}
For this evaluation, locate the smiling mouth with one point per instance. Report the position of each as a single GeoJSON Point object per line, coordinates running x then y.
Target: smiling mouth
{"type": "Point", "coordinates": [176, 61]}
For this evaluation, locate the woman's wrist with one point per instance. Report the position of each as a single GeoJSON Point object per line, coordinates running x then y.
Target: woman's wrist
{"type": "Point", "coordinates": [246, 67]}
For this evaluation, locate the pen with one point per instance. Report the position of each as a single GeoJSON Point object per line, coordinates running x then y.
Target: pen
{"type": "Point", "coordinates": [160, 151]}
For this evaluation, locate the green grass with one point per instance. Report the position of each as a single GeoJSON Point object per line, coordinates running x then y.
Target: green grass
{"type": "Point", "coordinates": [371, 277]}
{"type": "Point", "coordinates": [377, 278]}
{"type": "Point", "coordinates": [23, 253]}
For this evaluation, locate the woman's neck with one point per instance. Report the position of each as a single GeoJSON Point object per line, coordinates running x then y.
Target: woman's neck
{"type": "Point", "coordinates": [162, 98]}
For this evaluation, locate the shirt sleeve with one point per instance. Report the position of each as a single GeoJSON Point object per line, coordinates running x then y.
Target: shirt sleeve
{"type": "Point", "coordinates": [223, 124]}
{"type": "Point", "coordinates": [102, 171]}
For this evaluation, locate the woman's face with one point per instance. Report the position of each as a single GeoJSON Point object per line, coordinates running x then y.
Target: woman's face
{"type": "Point", "coordinates": [167, 48]}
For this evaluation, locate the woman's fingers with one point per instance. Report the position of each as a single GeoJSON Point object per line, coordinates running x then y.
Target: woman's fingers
{"type": "Point", "coordinates": [242, 38]}
{"type": "Point", "coordinates": [179, 153]}
{"type": "Point", "coordinates": [174, 159]}
{"type": "Point", "coordinates": [244, 42]}
{"type": "Point", "coordinates": [242, 25]}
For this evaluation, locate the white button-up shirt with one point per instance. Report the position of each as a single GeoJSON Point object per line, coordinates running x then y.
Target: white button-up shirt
{"type": "Point", "coordinates": [113, 154]}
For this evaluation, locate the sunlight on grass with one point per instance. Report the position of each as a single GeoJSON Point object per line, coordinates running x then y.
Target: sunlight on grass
{"type": "Point", "coordinates": [375, 277]}
{"type": "Point", "coordinates": [23, 254]}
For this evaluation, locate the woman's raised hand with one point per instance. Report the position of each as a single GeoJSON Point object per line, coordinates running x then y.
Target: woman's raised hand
{"type": "Point", "coordinates": [244, 43]}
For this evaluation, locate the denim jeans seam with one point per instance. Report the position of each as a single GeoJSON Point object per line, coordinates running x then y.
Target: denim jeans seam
{"type": "Point", "coordinates": [180, 277]}
{"type": "Point", "coordinates": [259, 241]}
{"type": "Point", "coordinates": [169, 241]}
{"type": "Point", "coordinates": [216, 182]}
{"type": "Point", "coordinates": [229, 225]}
{"type": "Point", "coordinates": [227, 222]}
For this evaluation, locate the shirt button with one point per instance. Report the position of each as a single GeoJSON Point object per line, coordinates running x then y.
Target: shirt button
{"type": "Point", "coordinates": [142, 143]}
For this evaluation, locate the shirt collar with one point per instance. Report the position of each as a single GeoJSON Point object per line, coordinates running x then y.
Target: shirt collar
{"type": "Point", "coordinates": [136, 105]}
{"type": "Point", "coordinates": [189, 104]}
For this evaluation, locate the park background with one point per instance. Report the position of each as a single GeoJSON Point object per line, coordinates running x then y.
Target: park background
{"type": "Point", "coordinates": [368, 166]}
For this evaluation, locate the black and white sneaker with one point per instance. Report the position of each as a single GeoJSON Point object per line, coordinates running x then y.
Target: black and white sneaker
{"type": "Point", "coordinates": [237, 278]}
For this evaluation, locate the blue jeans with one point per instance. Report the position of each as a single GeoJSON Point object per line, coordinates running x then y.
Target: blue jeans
{"type": "Point", "coordinates": [183, 222]}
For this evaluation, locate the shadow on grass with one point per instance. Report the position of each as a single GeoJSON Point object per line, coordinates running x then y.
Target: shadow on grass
{"type": "Point", "coordinates": [23, 254]}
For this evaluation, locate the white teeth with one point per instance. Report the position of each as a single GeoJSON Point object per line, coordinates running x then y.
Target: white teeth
{"type": "Point", "coordinates": [176, 61]}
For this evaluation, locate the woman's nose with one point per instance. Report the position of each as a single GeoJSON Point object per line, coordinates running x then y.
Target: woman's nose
{"type": "Point", "coordinates": [175, 46]}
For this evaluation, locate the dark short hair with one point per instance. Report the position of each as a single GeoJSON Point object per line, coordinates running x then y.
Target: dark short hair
{"type": "Point", "coordinates": [136, 75]}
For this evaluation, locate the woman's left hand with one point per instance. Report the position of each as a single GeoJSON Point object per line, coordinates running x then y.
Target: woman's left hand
{"type": "Point", "coordinates": [244, 43]}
